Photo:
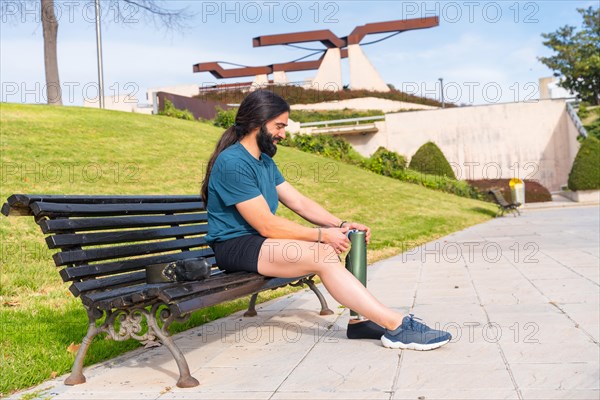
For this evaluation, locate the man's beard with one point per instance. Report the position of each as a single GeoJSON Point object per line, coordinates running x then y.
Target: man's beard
{"type": "Point", "coordinates": [265, 142]}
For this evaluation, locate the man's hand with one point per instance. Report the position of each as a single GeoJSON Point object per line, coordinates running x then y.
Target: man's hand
{"type": "Point", "coordinates": [336, 238]}
{"type": "Point", "coordinates": [360, 227]}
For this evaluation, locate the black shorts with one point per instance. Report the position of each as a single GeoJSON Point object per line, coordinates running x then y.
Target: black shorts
{"type": "Point", "coordinates": [238, 254]}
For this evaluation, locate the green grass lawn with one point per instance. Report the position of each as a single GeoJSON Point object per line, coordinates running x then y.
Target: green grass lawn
{"type": "Point", "coordinates": [70, 150]}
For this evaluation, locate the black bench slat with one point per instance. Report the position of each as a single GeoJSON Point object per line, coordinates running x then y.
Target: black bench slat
{"type": "Point", "coordinates": [196, 288]}
{"type": "Point", "coordinates": [97, 297]}
{"type": "Point", "coordinates": [107, 253]}
{"type": "Point", "coordinates": [15, 211]}
{"type": "Point", "coordinates": [27, 199]}
{"type": "Point", "coordinates": [134, 221]}
{"type": "Point", "coordinates": [196, 303]}
{"type": "Point", "coordinates": [122, 236]}
{"type": "Point", "coordinates": [274, 283]}
{"type": "Point", "coordinates": [145, 292]}
{"type": "Point", "coordinates": [131, 278]}
{"type": "Point", "coordinates": [53, 210]}
{"type": "Point", "coordinates": [116, 281]}
{"type": "Point", "coordinates": [19, 204]}
{"type": "Point", "coordinates": [115, 267]}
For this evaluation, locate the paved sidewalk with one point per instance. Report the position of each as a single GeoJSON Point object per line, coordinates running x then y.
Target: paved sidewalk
{"type": "Point", "coordinates": [559, 201]}
{"type": "Point", "coordinates": [520, 295]}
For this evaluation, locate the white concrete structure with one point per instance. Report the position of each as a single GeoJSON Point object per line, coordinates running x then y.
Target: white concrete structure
{"type": "Point", "coordinates": [524, 140]}
{"type": "Point", "coordinates": [583, 196]}
{"type": "Point", "coordinates": [124, 103]}
{"type": "Point", "coordinates": [260, 81]}
{"type": "Point", "coordinates": [182, 90]}
{"type": "Point", "coordinates": [549, 89]}
{"type": "Point", "coordinates": [363, 103]}
{"type": "Point", "coordinates": [363, 74]}
{"type": "Point", "coordinates": [279, 77]}
{"type": "Point", "coordinates": [329, 74]}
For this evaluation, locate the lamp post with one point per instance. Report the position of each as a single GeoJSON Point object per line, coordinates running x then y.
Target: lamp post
{"type": "Point", "coordinates": [99, 56]}
{"type": "Point", "coordinates": [442, 91]}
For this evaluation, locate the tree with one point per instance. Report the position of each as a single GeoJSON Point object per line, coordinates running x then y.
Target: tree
{"type": "Point", "coordinates": [577, 57]}
{"type": "Point", "coordinates": [150, 10]}
{"type": "Point", "coordinates": [50, 29]}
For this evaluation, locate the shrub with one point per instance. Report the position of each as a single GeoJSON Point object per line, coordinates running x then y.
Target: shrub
{"type": "Point", "coordinates": [382, 162]}
{"type": "Point", "coordinates": [437, 182]}
{"type": "Point", "coordinates": [429, 159]}
{"type": "Point", "coordinates": [585, 173]}
{"type": "Point", "coordinates": [225, 118]}
{"type": "Point", "coordinates": [583, 112]}
{"type": "Point", "coordinates": [328, 115]}
{"type": "Point", "coordinates": [170, 111]}
{"type": "Point", "coordinates": [298, 95]}
{"type": "Point", "coordinates": [593, 129]}
{"type": "Point", "coordinates": [325, 145]}
{"type": "Point", "coordinates": [590, 118]}
{"type": "Point", "coordinates": [385, 162]}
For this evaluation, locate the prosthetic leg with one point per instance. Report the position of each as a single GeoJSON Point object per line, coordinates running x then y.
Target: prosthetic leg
{"type": "Point", "coordinates": [356, 263]}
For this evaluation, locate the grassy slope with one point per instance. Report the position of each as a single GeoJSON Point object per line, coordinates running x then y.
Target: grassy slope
{"type": "Point", "coordinates": [88, 151]}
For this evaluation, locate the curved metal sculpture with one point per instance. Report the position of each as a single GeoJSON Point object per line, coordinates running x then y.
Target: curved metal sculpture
{"type": "Point", "coordinates": [362, 73]}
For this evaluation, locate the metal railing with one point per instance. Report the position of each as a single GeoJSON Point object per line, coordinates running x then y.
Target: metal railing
{"type": "Point", "coordinates": [342, 121]}
{"type": "Point", "coordinates": [221, 87]}
{"type": "Point", "coordinates": [575, 118]}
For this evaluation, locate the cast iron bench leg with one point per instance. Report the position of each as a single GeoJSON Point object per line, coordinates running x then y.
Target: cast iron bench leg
{"type": "Point", "coordinates": [77, 376]}
{"type": "Point", "coordinates": [251, 312]}
{"type": "Point", "coordinates": [324, 308]}
{"type": "Point", "coordinates": [186, 380]}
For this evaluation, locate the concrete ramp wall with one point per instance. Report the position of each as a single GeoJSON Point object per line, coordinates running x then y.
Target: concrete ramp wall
{"type": "Point", "coordinates": [534, 140]}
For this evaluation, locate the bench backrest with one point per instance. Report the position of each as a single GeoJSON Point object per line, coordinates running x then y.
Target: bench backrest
{"type": "Point", "coordinates": [499, 198]}
{"type": "Point", "coordinates": [106, 242]}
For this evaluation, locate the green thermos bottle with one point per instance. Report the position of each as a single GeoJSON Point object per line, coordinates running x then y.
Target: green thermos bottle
{"type": "Point", "coordinates": [356, 259]}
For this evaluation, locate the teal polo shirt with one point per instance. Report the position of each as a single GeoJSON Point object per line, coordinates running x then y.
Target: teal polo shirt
{"type": "Point", "coordinates": [237, 176]}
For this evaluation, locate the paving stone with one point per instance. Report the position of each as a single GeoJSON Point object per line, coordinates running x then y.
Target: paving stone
{"type": "Point", "coordinates": [417, 375]}
{"type": "Point", "coordinates": [311, 395]}
{"type": "Point", "coordinates": [195, 394]}
{"type": "Point", "coordinates": [557, 376]}
{"type": "Point", "coordinates": [344, 366]}
{"type": "Point", "coordinates": [442, 394]}
{"type": "Point", "coordinates": [571, 394]}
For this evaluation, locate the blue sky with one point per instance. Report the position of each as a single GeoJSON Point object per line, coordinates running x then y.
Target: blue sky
{"type": "Point", "coordinates": [486, 51]}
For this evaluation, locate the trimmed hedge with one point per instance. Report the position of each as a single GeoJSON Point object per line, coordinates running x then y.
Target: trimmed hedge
{"type": "Point", "coordinates": [299, 95]}
{"type": "Point", "coordinates": [385, 162]}
{"type": "Point", "coordinates": [429, 159]}
{"type": "Point", "coordinates": [382, 162]}
{"type": "Point", "coordinates": [325, 145]}
{"type": "Point", "coordinates": [585, 173]}
{"type": "Point", "coordinates": [328, 115]}
{"type": "Point", "coordinates": [436, 182]}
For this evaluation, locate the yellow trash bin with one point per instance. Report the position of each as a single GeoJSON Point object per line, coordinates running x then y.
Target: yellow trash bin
{"type": "Point", "coordinates": [517, 190]}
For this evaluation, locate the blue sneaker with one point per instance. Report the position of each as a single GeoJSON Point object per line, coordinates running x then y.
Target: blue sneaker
{"type": "Point", "coordinates": [414, 335]}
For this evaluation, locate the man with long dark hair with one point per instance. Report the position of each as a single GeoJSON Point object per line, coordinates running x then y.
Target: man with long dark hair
{"type": "Point", "coordinates": [242, 189]}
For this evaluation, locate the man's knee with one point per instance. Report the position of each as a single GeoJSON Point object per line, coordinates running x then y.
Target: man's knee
{"type": "Point", "coordinates": [326, 256]}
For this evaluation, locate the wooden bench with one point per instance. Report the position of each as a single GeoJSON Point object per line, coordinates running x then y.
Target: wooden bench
{"type": "Point", "coordinates": [503, 205]}
{"type": "Point", "coordinates": [104, 244]}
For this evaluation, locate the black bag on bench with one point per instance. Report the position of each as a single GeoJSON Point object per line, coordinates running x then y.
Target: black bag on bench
{"type": "Point", "coordinates": [191, 269]}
